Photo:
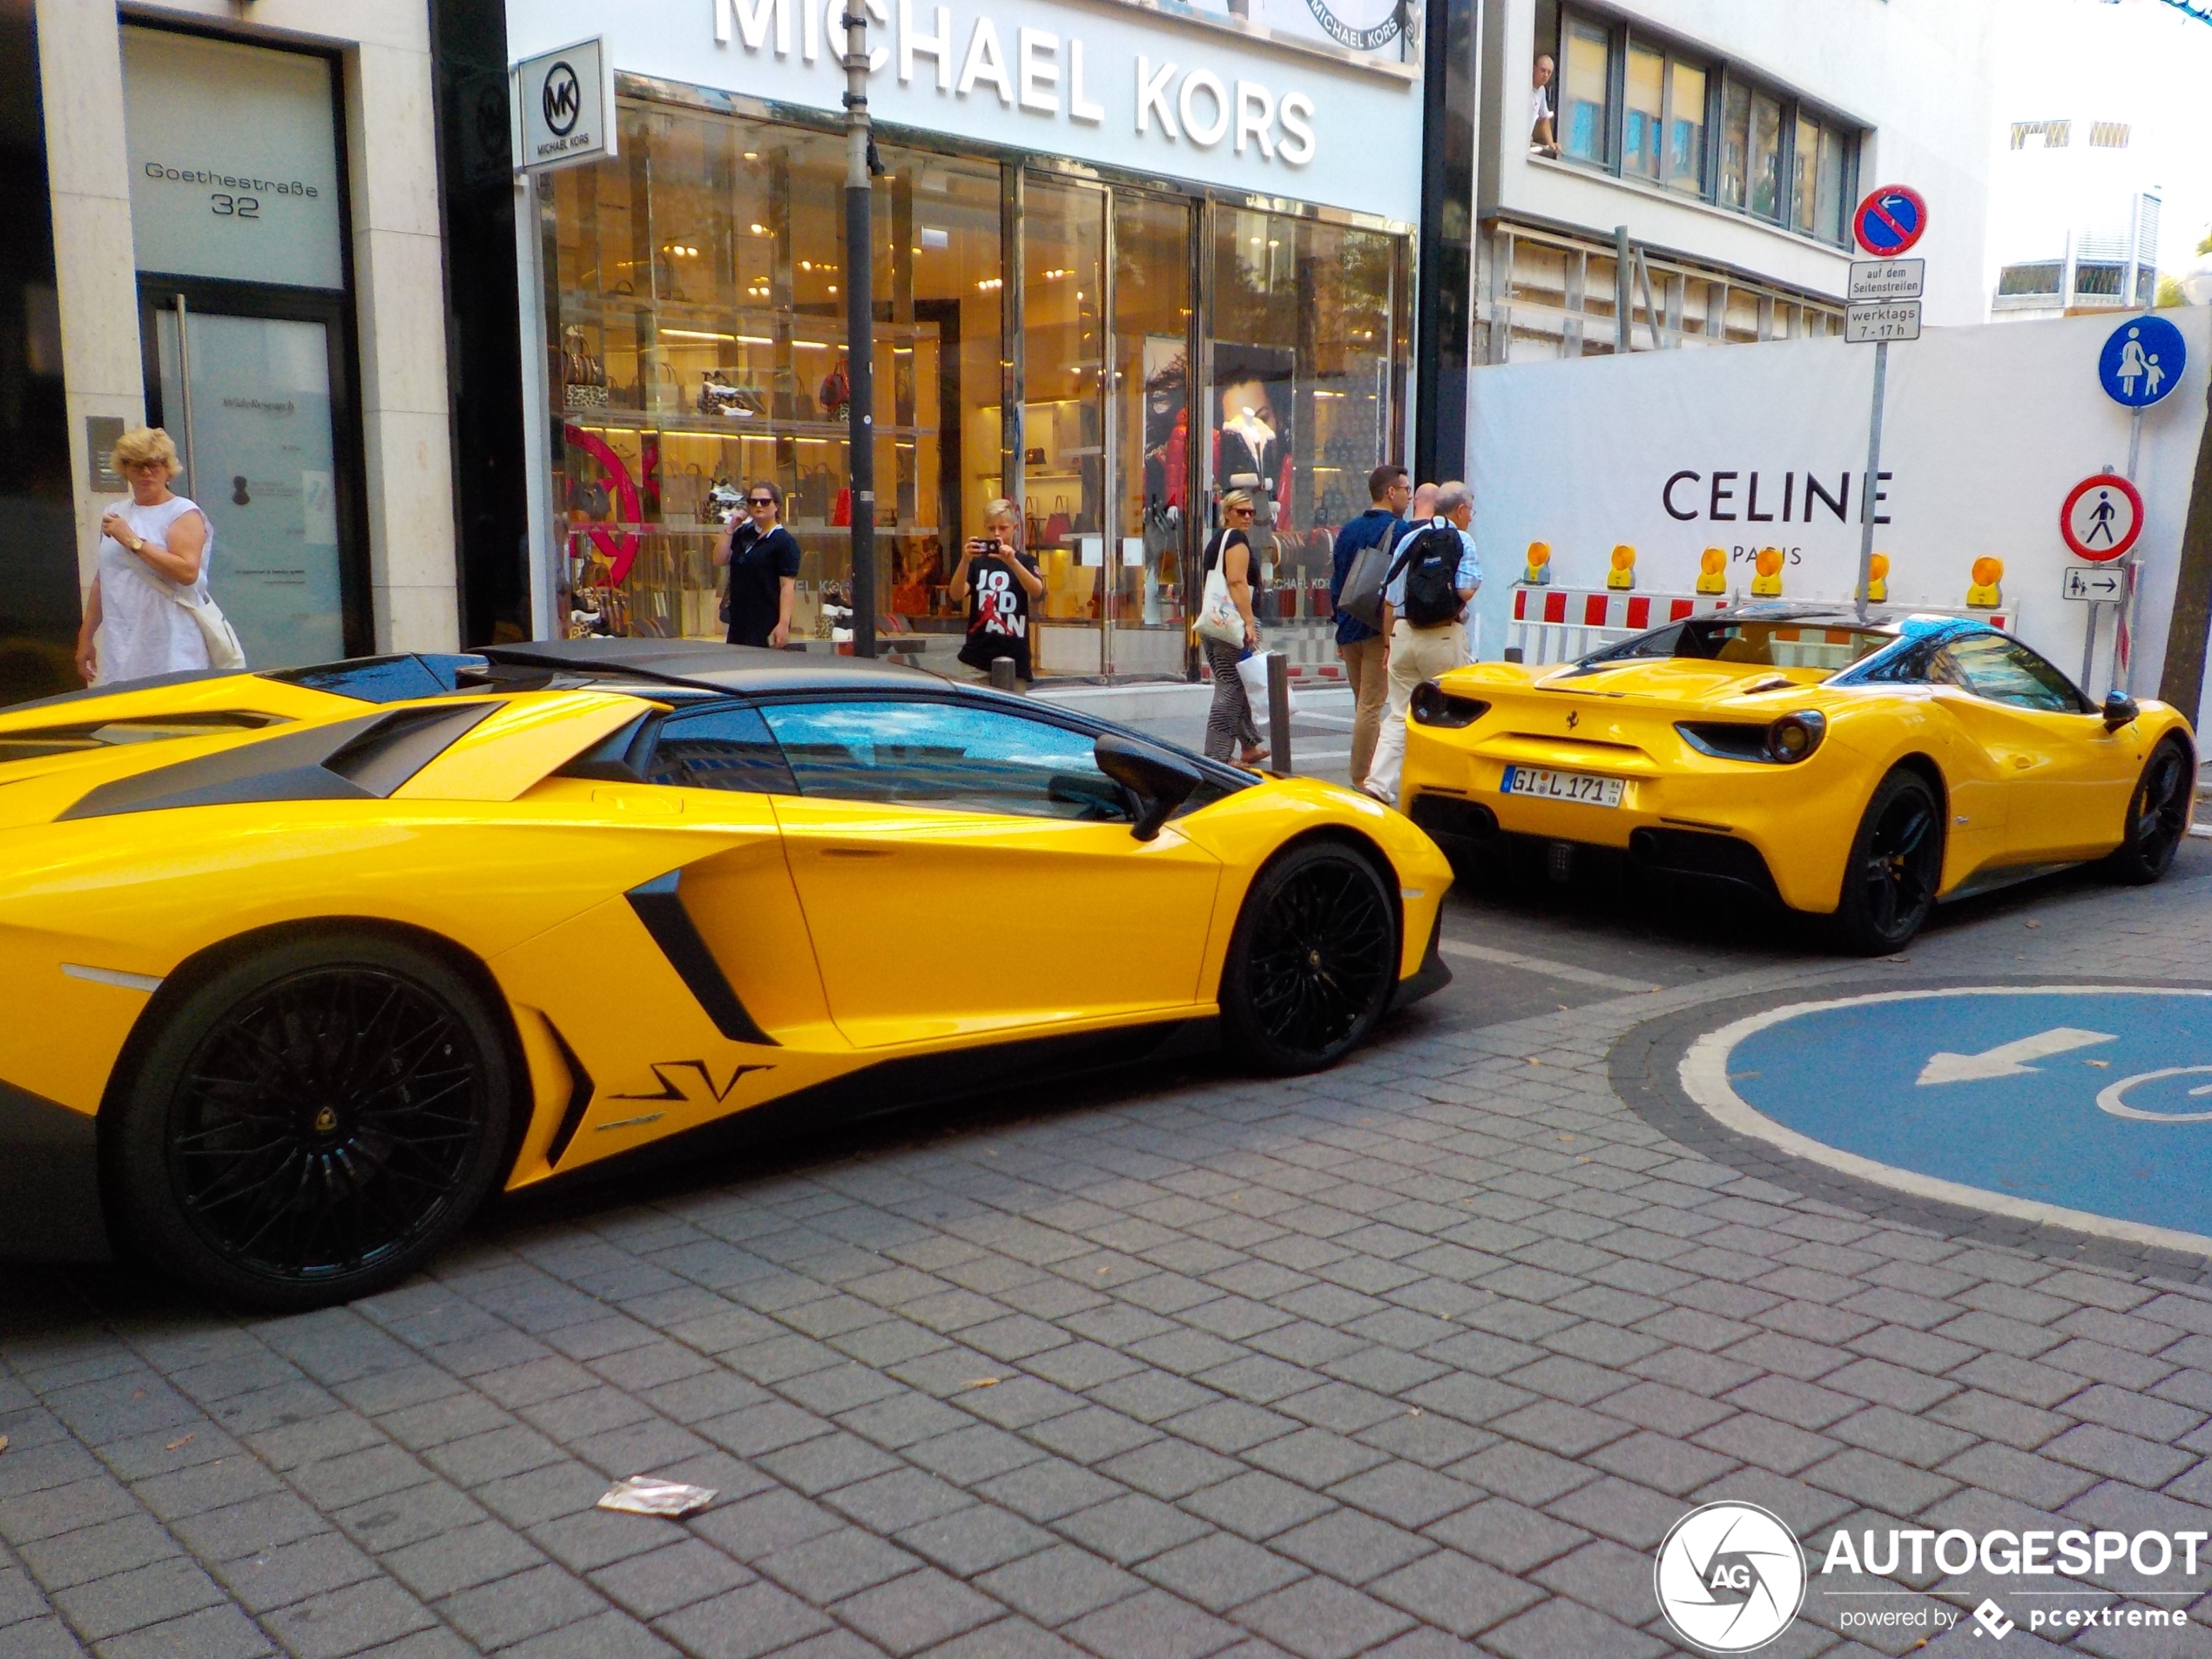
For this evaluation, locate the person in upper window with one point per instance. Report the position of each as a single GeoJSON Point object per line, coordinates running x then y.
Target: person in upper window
{"type": "Point", "coordinates": [1542, 137]}
{"type": "Point", "coordinates": [763, 560]}
{"type": "Point", "coordinates": [1000, 585]}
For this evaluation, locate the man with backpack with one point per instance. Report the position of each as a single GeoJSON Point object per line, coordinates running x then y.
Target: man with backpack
{"type": "Point", "coordinates": [1433, 577]}
{"type": "Point", "coordinates": [1359, 646]}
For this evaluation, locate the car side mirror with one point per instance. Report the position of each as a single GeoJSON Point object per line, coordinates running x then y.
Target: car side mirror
{"type": "Point", "coordinates": [1160, 781]}
{"type": "Point", "coordinates": [2119, 709]}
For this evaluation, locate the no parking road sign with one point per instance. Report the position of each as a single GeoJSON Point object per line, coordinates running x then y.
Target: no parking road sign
{"type": "Point", "coordinates": [1890, 220]}
{"type": "Point", "coordinates": [2102, 516]}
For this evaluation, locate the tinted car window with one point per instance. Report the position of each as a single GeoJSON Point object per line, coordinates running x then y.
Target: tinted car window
{"type": "Point", "coordinates": [2003, 671]}
{"type": "Point", "coordinates": [946, 755]}
{"type": "Point", "coordinates": [725, 747]}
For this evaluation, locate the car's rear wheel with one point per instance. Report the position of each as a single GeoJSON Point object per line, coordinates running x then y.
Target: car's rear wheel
{"type": "Point", "coordinates": [1895, 866]}
{"type": "Point", "coordinates": [312, 1123]}
{"type": "Point", "coordinates": [2158, 815]}
{"type": "Point", "coordinates": [1312, 962]}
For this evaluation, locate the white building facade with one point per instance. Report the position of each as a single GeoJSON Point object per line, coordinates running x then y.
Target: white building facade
{"type": "Point", "coordinates": [248, 246]}
{"type": "Point", "coordinates": [1708, 157]}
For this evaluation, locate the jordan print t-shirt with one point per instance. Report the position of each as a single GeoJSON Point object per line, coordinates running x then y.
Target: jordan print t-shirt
{"type": "Point", "coordinates": [998, 614]}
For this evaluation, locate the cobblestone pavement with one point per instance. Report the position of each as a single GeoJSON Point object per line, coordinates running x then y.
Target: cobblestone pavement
{"type": "Point", "coordinates": [1415, 1357]}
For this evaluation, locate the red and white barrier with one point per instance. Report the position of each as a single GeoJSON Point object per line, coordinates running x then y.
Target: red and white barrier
{"type": "Point", "coordinates": [1559, 625]}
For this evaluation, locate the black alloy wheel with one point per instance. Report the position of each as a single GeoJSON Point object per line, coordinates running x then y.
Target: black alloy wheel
{"type": "Point", "coordinates": [1313, 961]}
{"type": "Point", "coordinates": [315, 1122]}
{"type": "Point", "coordinates": [2158, 815]}
{"type": "Point", "coordinates": [1895, 866]}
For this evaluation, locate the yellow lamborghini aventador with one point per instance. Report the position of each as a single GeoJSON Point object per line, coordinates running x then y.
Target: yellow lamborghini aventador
{"type": "Point", "coordinates": [302, 966]}
{"type": "Point", "coordinates": [1860, 770]}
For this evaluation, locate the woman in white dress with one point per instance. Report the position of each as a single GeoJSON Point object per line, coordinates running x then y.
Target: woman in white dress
{"type": "Point", "coordinates": [153, 556]}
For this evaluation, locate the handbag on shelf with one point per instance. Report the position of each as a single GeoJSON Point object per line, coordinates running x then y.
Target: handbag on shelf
{"type": "Point", "coordinates": [841, 510]}
{"type": "Point", "coordinates": [1056, 527]}
{"type": "Point", "coordinates": [811, 500]}
{"type": "Point", "coordinates": [837, 389]}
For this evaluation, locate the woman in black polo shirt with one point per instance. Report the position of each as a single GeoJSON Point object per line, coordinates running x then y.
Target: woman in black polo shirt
{"type": "Point", "coordinates": [763, 558]}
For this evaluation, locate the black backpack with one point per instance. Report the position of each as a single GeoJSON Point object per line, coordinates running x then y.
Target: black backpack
{"type": "Point", "coordinates": [1431, 560]}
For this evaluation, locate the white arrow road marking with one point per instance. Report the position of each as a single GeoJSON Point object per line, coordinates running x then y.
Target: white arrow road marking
{"type": "Point", "coordinates": [2006, 1059]}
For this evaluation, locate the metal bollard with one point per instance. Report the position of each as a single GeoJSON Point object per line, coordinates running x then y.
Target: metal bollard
{"type": "Point", "coordinates": [1278, 713]}
{"type": "Point", "coordinates": [1002, 673]}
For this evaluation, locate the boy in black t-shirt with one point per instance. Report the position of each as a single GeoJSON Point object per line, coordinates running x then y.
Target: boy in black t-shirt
{"type": "Point", "coordinates": [999, 584]}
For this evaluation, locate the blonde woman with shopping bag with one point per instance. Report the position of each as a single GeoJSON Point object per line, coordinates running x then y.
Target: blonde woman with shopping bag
{"type": "Point", "coordinates": [149, 612]}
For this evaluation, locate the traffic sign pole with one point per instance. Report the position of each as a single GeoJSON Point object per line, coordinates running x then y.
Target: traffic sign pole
{"type": "Point", "coordinates": [2123, 635]}
{"type": "Point", "coordinates": [1873, 472]}
{"type": "Point", "coordinates": [1884, 293]}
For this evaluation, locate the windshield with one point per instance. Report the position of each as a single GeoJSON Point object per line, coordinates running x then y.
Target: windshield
{"type": "Point", "coordinates": [1753, 643]}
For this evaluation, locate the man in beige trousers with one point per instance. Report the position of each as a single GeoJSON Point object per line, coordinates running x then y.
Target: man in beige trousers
{"type": "Point", "coordinates": [1418, 653]}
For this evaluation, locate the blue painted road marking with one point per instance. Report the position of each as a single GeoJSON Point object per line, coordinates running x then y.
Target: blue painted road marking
{"type": "Point", "coordinates": [2088, 1108]}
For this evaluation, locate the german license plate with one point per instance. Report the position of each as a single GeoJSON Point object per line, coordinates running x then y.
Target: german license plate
{"type": "Point", "coordinates": [1563, 786]}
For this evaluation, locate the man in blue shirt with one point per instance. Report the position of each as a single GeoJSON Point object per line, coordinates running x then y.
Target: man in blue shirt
{"type": "Point", "coordinates": [1422, 652]}
{"type": "Point", "coordinates": [1364, 651]}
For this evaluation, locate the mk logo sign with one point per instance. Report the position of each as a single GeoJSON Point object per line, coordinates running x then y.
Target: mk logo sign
{"type": "Point", "coordinates": [562, 99]}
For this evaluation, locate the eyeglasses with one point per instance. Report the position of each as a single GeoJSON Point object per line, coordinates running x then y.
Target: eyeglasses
{"type": "Point", "coordinates": [1238, 512]}
{"type": "Point", "coordinates": [761, 500]}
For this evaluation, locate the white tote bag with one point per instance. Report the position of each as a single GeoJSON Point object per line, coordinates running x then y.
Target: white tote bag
{"type": "Point", "coordinates": [225, 654]}
{"type": "Point", "coordinates": [1218, 618]}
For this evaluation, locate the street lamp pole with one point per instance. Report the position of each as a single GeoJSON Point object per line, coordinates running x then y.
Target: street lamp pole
{"type": "Point", "coordinates": [859, 325]}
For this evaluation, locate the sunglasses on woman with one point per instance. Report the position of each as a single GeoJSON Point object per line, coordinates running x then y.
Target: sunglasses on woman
{"type": "Point", "coordinates": [761, 500]}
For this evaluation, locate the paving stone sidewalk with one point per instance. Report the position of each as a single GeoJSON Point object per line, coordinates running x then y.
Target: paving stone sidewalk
{"type": "Point", "coordinates": [1419, 1357]}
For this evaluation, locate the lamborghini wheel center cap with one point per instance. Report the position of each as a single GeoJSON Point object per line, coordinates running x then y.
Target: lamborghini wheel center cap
{"type": "Point", "coordinates": [325, 1120]}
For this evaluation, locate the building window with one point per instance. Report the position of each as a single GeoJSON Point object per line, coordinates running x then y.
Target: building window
{"type": "Point", "coordinates": [2108, 135]}
{"type": "Point", "coordinates": [2101, 279]}
{"type": "Point", "coordinates": [2037, 276]}
{"type": "Point", "coordinates": [1772, 156]}
{"type": "Point", "coordinates": [1686, 128]}
{"type": "Point", "coordinates": [2049, 135]}
{"type": "Point", "coordinates": [1587, 54]}
{"type": "Point", "coordinates": [1644, 124]}
{"type": "Point", "coordinates": [1735, 145]}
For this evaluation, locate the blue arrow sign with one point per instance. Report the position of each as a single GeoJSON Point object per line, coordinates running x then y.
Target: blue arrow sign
{"type": "Point", "coordinates": [2142, 362]}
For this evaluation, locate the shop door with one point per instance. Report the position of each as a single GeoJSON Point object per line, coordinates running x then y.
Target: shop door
{"type": "Point", "coordinates": [1107, 312]}
{"type": "Point", "coordinates": [1149, 452]}
{"type": "Point", "coordinates": [251, 393]}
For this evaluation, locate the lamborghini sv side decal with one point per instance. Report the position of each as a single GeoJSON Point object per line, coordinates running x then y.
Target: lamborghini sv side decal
{"type": "Point", "coordinates": [683, 1087]}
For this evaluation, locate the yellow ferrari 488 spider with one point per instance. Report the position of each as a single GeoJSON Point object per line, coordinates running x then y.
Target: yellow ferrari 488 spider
{"type": "Point", "coordinates": [1859, 770]}
{"type": "Point", "coordinates": [302, 965]}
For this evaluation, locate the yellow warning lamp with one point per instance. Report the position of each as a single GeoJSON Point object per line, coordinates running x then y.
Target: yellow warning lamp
{"type": "Point", "coordinates": [1538, 573]}
{"type": "Point", "coordinates": [1983, 593]}
{"type": "Point", "coordinates": [1712, 571]}
{"type": "Point", "coordinates": [1623, 573]}
{"type": "Point", "coordinates": [1767, 584]}
{"type": "Point", "coordinates": [1877, 579]}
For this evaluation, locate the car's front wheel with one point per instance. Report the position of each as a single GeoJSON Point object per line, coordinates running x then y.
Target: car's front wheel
{"type": "Point", "coordinates": [2158, 815]}
{"type": "Point", "coordinates": [1895, 866]}
{"type": "Point", "coordinates": [1313, 960]}
{"type": "Point", "coordinates": [311, 1123]}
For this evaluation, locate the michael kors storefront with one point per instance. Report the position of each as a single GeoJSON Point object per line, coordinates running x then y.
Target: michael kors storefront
{"type": "Point", "coordinates": [1123, 258]}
